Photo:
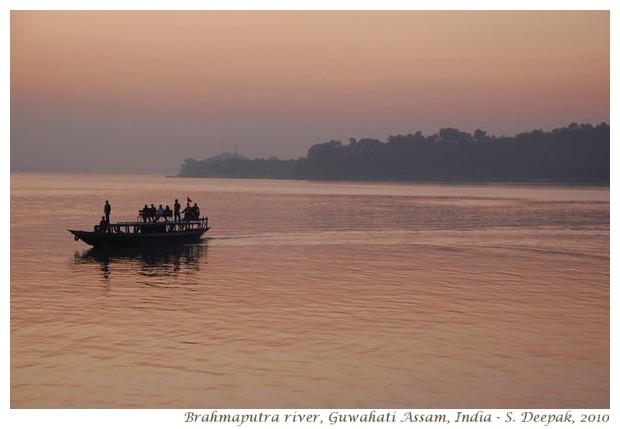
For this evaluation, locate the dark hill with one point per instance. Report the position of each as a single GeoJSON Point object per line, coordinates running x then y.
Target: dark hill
{"type": "Point", "coordinates": [574, 154]}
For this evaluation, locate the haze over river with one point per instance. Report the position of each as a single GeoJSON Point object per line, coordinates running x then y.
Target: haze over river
{"type": "Point", "coordinates": [313, 295]}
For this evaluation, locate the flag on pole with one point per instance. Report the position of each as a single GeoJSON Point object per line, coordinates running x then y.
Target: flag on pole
{"type": "Point", "coordinates": [189, 200]}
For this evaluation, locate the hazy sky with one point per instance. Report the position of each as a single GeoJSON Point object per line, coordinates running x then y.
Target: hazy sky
{"type": "Point", "coordinates": [141, 91]}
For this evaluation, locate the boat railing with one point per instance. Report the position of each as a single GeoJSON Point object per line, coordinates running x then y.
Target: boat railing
{"type": "Point", "coordinates": [157, 226]}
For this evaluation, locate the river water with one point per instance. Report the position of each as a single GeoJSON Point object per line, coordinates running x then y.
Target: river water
{"type": "Point", "coordinates": [313, 295]}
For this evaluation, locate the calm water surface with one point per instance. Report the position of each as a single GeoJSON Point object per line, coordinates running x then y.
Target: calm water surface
{"type": "Point", "coordinates": [309, 294]}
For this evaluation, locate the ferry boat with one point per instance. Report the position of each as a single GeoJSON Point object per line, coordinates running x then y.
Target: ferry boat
{"type": "Point", "coordinates": [144, 233]}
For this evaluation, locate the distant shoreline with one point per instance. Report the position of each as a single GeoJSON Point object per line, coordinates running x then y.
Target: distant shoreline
{"type": "Point", "coordinates": [578, 153]}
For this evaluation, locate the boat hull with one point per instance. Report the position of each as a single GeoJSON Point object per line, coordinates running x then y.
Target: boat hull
{"type": "Point", "coordinates": [107, 239]}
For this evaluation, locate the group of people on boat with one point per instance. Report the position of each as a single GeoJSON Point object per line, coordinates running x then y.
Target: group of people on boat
{"type": "Point", "coordinates": [190, 212]}
{"type": "Point", "coordinates": [152, 214]}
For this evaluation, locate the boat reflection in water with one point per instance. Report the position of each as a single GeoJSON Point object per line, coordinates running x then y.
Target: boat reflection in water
{"type": "Point", "coordinates": [157, 264]}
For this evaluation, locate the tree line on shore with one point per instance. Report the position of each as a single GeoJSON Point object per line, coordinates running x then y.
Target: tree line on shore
{"type": "Point", "coordinates": [578, 153]}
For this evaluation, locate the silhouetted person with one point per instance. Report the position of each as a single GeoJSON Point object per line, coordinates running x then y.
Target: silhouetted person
{"type": "Point", "coordinates": [159, 213]}
{"type": "Point", "coordinates": [145, 213]}
{"type": "Point", "coordinates": [167, 213]}
{"type": "Point", "coordinates": [177, 211]}
{"type": "Point", "coordinates": [107, 209]}
{"type": "Point", "coordinates": [187, 212]}
{"type": "Point", "coordinates": [195, 212]}
{"type": "Point", "coordinates": [103, 224]}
